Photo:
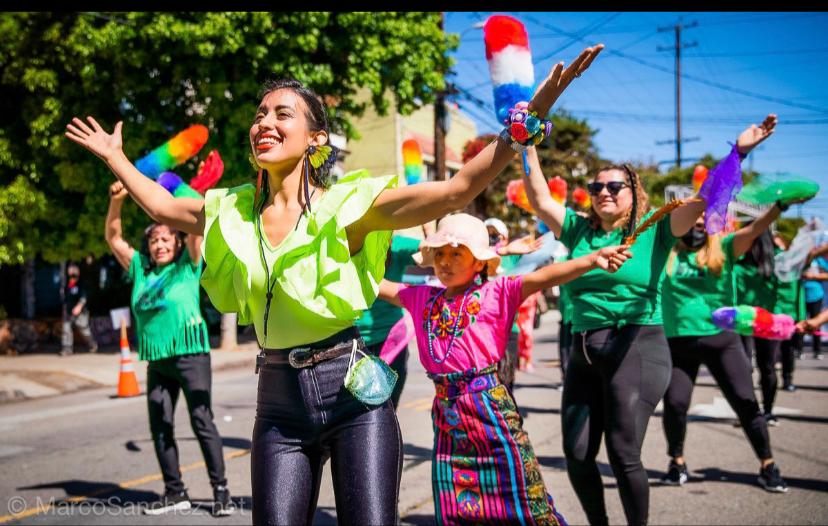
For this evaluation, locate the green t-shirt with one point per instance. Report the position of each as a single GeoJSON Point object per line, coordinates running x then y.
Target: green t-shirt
{"type": "Point", "coordinates": [630, 296]}
{"type": "Point", "coordinates": [771, 294]}
{"type": "Point", "coordinates": [376, 322]}
{"type": "Point", "coordinates": [790, 299]}
{"type": "Point", "coordinates": [752, 288]}
{"type": "Point", "coordinates": [691, 293]}
{"type": "Point", "coordinates": [165, 305]}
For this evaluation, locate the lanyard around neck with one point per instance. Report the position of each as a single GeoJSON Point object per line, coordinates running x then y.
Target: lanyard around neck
{"type": "Point", "coordinates": [268, 282]}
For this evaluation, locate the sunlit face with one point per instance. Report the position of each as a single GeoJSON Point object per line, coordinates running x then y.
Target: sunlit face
{"type": "Point", "coordinates": [279, 135]}
{"type": "Point", "coordinates": [163, 245]}
{"type": "Point", "coordinates": [455, 266]}
{"type": "Point", "coordinates": [608, 206]}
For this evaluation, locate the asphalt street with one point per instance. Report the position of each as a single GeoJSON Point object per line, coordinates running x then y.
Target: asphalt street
{"type": "Point", "coordinates": [86, 458]}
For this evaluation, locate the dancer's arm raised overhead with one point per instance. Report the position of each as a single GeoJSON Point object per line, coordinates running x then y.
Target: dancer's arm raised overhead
{"type": "Point", "coordinates": [414, 205]}
{"type": "Point", "coordinates": [184, 213]}
{"type": "Point", "coordinates": [122, 250]}
{"type": "Point", "coordinates": [683, 217]}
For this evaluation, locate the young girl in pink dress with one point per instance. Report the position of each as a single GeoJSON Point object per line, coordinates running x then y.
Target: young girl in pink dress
{"type": "Point", "coordinates": [483, 466]}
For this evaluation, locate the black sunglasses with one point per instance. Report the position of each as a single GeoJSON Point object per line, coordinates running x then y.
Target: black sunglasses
{"type": "Point", "coordinates": [613, 187]}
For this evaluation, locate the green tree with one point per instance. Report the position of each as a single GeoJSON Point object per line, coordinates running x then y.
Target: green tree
{"type": "Point", "coordinates": [161, 72]}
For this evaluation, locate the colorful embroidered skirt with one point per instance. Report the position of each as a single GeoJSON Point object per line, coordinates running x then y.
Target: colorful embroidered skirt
{"type": "Point", "coordinates": [484, 469]}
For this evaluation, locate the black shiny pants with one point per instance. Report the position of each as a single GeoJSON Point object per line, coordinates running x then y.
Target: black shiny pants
{"type": "Point", "coordinates": [303, 418]}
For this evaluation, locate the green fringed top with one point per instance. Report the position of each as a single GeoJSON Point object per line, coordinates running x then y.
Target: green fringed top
{"type": "Point", "coordinates": [320, 288]}
{"type": "Point", "coordinates": [165, 305]}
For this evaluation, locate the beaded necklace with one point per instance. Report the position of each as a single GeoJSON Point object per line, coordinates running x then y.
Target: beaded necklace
{"type": "Point", "coordinates": [460, 314]}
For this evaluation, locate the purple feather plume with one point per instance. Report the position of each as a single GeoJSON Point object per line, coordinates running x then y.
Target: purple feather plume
{"type": "Point", "coordinates": [721, 186]}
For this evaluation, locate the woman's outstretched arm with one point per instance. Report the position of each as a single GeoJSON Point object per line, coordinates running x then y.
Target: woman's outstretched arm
{"type": "Point", "coordinates": [551, 212]}
{"type": "Point", "coordinates": [413, 205]}
{"type": "Point", "coordinates": [184, 213]}
{"type": "Point", "coordinates": [683, 217]}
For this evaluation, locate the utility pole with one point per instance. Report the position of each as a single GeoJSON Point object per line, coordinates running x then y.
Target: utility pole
{"type": "Point", "coordinates": [677, 48]}
{"type": "Point", "coordinates": [440, 126]}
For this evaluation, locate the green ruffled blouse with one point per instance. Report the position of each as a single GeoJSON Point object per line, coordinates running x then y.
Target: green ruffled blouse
{"type": "Point", "coordinates": [320, 288]}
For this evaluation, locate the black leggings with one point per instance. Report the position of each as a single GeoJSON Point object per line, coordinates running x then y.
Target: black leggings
{"type": "Point", "coordinates": [813, 308]}
{"type": "Point", "coordinates": [166, 378]}
{"type": "Point", "coordinates": [614, 380]}
{"type": "Point", "coordinates": [564, 345]}
{"type": "Point", "coordinates": [723, 355]}
{"type": "Point", "coordinates": [305, 416]}
{"type": "Point", "coordinates": [767, 352]}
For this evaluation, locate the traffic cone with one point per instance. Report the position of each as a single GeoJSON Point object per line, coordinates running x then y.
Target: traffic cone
{"type": "Point", "coordinates": [127, 381]}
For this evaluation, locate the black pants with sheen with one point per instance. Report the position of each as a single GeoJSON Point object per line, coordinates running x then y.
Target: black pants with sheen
{"type": "Point", "coordinates": [166, 378]}
{"type": "Point", "coordinates": [614, 380]}
{"type": "Point", "coordinates": [724, 357]}
{"type": "Point", "coordinates": [306, 416]}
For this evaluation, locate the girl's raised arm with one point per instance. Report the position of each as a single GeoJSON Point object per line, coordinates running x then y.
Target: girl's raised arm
{"type": "Point", "coordinates": [185, 213]}
{"type": "Point", "coordinates": [607, 258]}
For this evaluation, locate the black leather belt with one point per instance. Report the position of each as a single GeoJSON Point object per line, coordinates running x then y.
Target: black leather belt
{"type": "Point", "coordinates": [332, 347]}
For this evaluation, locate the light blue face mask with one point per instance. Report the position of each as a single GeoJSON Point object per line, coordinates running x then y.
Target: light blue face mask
{"type": "Point", "coordinates": [370, 379]}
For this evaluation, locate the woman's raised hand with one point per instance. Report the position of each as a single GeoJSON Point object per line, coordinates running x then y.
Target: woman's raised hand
{"type": "Point", "coordinates": [559, 79]}
{"type": "Point", "coordinates": [94, 138]}
{"type": "Point", "coordinates": [117, 191]}
{"type": "Point", "coordinates": [752, 136]}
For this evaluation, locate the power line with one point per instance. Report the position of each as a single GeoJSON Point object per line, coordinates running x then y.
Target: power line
{"type": "Point", "coordinates": [719, 85]}
{"type": "Point", "coordinates": [586, 30]}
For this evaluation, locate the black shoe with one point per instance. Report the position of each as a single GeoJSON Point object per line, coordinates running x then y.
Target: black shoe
{"type": "Point", "coordinates": [222, 505]}
{"type": "Point", "coordinates": [789, 387]}
{"type": "Point", "coordinates": [676, 475]}
{"type": "Point", "coordinates": [771, 480]}
{"type": "Point", "coordinates": [771, 420]}
{"type": "Point", "coordinates": [169, 502]}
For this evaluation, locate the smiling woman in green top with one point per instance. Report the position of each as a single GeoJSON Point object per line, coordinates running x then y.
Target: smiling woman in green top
{"type": "Point", "coordinates": [300, 260]}
{"type": "Point", "coordinates": [699, 279]}
{"type": "Point", "coordinates": [172, 337]}
{"type": "Point", "coordinates": [620, 365]}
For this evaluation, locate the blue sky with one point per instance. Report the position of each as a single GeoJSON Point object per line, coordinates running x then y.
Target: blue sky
{"type": "Point", "coordinates": [780, 58]}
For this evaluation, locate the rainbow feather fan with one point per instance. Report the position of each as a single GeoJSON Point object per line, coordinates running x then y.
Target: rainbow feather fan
{"type": "Point", "coordinates": [510, 63]}
{"type": "Point", "coordinates": [176, 186]}
{"type": "Point", "coordinates": [173, 152]}
{"type": "Point", "coordinates": [754, 321]}
{"type": "Point", "coordinates": [412, 161]}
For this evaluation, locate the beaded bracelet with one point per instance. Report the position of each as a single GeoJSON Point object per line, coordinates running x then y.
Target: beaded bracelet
{"type": "Point", "coordinates": [524, 128]}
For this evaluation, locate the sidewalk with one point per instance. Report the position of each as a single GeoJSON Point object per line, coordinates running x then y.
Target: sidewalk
{"type": "Point", "coordinates": [37, 375]}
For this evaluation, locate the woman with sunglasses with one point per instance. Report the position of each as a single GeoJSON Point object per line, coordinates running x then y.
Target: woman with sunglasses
{"type": "Point", "coordinates": [314, 253]}
{"type": "Point", "coordinates": [620, 364]}
{"type": "Point", "coordinates": [699, 279]}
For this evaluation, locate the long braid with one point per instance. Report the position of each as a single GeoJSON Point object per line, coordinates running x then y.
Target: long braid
{"type": "Point", "coordinates": [634, 212]}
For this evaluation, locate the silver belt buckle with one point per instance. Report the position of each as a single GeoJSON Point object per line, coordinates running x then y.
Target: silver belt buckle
{"type": "Point", "coordinates": [300, 358]}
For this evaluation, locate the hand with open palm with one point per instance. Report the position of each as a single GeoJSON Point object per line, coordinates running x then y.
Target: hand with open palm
{"type": "Point", "coordinates": [95, 139]}
{"type": "Point", "coordinates": [754, 135]}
